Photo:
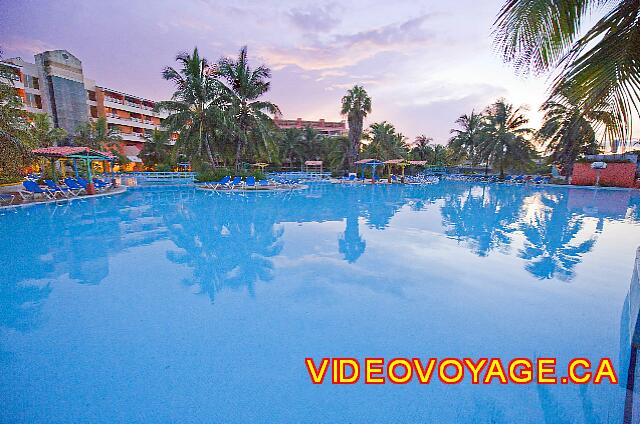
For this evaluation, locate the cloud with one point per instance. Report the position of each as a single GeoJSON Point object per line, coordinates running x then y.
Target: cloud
{"type": "Point", "coordinates": [315, 19]}
{"type": "Point", "coordinates": [20, 45]}
{"type": "Point", "coordinates": [344, 50]}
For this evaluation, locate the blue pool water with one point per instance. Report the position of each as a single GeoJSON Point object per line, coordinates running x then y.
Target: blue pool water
{"type": "Point", "coordinates": [178, 305]}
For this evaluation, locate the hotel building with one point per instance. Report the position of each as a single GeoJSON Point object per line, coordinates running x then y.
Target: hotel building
{"type": "Point", "coordinates": [323, 127]}
{"type": "Point", "coordinates": [56, 85]}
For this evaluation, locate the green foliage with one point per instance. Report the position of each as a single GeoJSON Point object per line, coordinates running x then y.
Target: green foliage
{"type": "Point", "coordinates": [385, 143]}
{"type": "Point", "coordinates": [356, 104]}
{"type": "Point", "coordinates": [599, 66]}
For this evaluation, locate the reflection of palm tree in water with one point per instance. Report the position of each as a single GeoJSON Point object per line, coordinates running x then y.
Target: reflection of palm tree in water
{"type": "Point", "coordinates": [351, 244]}
{"type": "Point", "coordinates": [227, 243]}
{"type": "Point", "coordinates": [485, 222]}
{"type": "Point", "coordinates": [549, 235]}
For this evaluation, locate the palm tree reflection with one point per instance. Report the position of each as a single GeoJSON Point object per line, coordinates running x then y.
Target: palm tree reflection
{"type": "Point", "coordinates": [552, 245]}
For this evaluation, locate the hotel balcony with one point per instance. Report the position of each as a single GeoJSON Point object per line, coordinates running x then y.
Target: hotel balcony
{"type": "Point", "coordinates": [131, 122]}
{"type": "Point", "coordinates": [132, 107]}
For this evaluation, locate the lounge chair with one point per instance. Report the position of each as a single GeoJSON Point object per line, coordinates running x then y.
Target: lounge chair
{"type": "Point", "coordinates": [84, 183]}
{"type": "Point", "coordinates": [264, 183]}
{"type": "Point", "coordinates": [55, 188]}
{"type": "Point", "coordinates": [508, 178]}
{"type": "Point", "coordinates": [215, 184]}
{"type": "Point", "coordinates": [6, 198]}
{"type": "Point", "coordinates": [519, 179]}
{"type": "Point", "coordinates": [250, 182]}
{"type": "Point", "coordinates": [101, 184]}
{"type": "Point", "coordinates": [74, 185]}
{"type": "Point", "coordinates": [31, 187]}
{"type": "Point", "coordinates": [237, 181]}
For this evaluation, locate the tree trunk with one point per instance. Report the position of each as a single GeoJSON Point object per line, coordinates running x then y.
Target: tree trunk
{"type": "Point", "coordinates": [208, 148]}
{"type": "Point", "coordinates": [238, 152]}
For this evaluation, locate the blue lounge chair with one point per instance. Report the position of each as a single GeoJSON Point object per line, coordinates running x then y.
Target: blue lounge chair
{"type": "Point", "coordinates": [31, 187]}
{"type": "Point", "coordinates": [250, 182]}
{"type": "Point", "coordinates": [237, 181]}
{"type": "Point", "coordinates": [84, 183]}
{"type": "Point", "coordinates": [263, 183]}
{"type": "Point", "coordinates": [74, 185]}
{"type": "Point", "coordinates": [537, 180]}
{"type": "Point", "coordinates": [6, 198]}
{"type": "Point", "coordinates": [55, 188]}
{"type": "Point", "coordinates": [216, 184]}
{"type": "Point", "coordinates": [519, 179]}
{"type": "Point", "coordinates": [100, 184]}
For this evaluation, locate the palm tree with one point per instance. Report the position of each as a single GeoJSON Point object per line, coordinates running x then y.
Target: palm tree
{"type": "Point", "coordinates": [505, 144]}
{"type": "Point", "coordinates": [244, 88]}
{"type": "Point", "coordinates": [385, 142]}
{"type": "Point", "coordinates": [45, 134]}
{"type": "Point", "coordinates": [465, 141]}
{"type": "Point", "coordinates": [356, 104]}
{"type": "Point", "coordinates": [156, 148]}
{"type": "Point", "coordinates": [314, 144]}
{"type": "Point", "coordinates": [599, 65]}
{"type": "Point", "coordinates": [97, 135]}
{"type": "Point", "coordinates": [194, 109]}
{"type": "Point", "coordinates": [338, 153]}
{"type": "Point", "coordinates": [566, 133]}
{"type": "Point", "coordinates": [421, 147]}
{"type": "Point", "coordinates": [291, 145]}
{"type": "Point", "coordinates": [15, 138]}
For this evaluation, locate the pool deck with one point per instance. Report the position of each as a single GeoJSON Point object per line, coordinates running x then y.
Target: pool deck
{"type": "Point", "coordinates": [117, 190]}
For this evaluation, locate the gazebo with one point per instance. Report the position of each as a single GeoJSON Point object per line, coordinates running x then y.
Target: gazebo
{"type": "Point", "coordinates": [260, 165]}
{"type": "Point", "coordinates": [402, 163]}
{"type": "Point", "coordinates": [313, 166]}
{"type": "Point", "coordinates": [373, 163]}
{"type": "Point", "coordinates": [75, 154]}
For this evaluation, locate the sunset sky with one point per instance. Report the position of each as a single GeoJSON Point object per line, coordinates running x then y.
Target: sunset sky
{"type": "Point", "coordinates": [423, 63]}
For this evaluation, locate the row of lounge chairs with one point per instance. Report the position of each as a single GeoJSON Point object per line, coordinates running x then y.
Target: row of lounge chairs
{"type": "Point", "coordinates": [518, 179]}
{"type": "Point", "coordinates": [227, 183]}
{"type": "Point", "coordinates": [72, 187]}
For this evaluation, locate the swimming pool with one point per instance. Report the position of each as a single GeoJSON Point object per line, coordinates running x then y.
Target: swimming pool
{"type": "Point", "coordinates": [180, 305]}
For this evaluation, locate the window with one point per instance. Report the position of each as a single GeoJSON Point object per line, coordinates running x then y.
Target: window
{"type": "Point", "coordinates": [31, 82]}
{"type": "Point", "coordinates": [33, 100]}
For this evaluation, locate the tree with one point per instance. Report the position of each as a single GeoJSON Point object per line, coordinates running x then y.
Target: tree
{"type": "Point", "coordinates": [314, 148]}
{"type": "Point", "coordinates": [566, 133]}
{"type": "Point", "coordinates": [156, 149]}
{"type": "Point", "coordinates": [43, 133]}
{"type": "Point", "coordinates": [384, 142]}
{"type": "Point", "coordinates": [195, 106]}
{"type": "Point", "coordinates": [97, 135]}
{"type": "Point", "coordinates": [291, 145]}
{"type": "Point", "coordinates": [338, 153]}
{"type": "Point", "coordinates": [465, 141]}
{"type": "Point", "coordinates": [356, 104]}
{"type": "Point", "coordinates": [505, 144]}
{"type": "Point", "coordinates": [421, 147]}
{"type": "Point", "coordinates": [244, 88]}
{"type": "Point", "coordinates": [599, 66]}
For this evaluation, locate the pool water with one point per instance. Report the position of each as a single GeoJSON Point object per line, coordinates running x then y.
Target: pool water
{"type": "Point", "coordinates": [179, 305]}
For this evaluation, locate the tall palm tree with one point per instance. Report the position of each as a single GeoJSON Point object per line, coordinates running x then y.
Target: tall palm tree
{"type": "Point", "coordinates": [566, 133]}
{"type": "Point", "coordinates": [338, 153]}
{"type": "Point", "coordinates": [356, 104]}
{"type": "Point", "coordinates": [194, 108]}
{"type": "Point", "coordinates": [421, 149]}
{"type": "Point", "coordinates": [385, 142]}
{"type": "Point", "coordinates": [244, 88]}
{"type": "Point", "coordinates": [97, 135]}
{"type": "Point", "coordinates": [291, 145]}
{"type": "Point", "coordinates": [465, 141]}
{"type": "Point", "coordinates": [15, 139]}
{"type": "Point", "coordinates": [505, 144]}
{"type": "Point", "coordinates": [599, 65]}
{"type": "Point", "coordinates": [156, 148]}
{"type": "Point", "coordinates": [44, 133]}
